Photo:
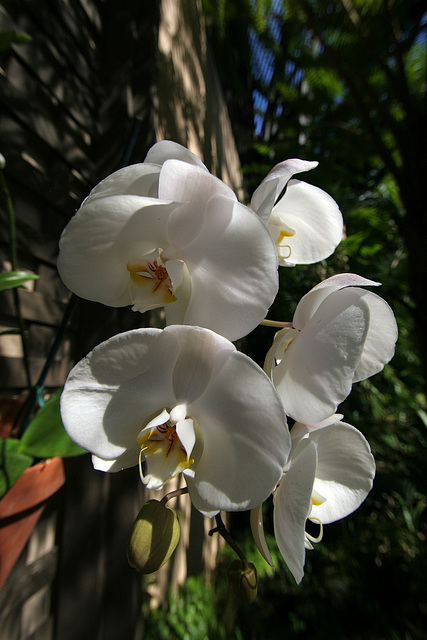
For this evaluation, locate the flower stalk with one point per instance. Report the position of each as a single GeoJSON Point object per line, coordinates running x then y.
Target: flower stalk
{"type": "Point", "coordinates": [174, 494]}
{"type": "Point", "coordinates": [14, 262]}
{"type": "Point", "coordinates": [224, 533]}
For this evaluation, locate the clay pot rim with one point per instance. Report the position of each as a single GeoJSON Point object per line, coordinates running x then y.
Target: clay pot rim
{"type": "Point", "coordinates": [33, 487]}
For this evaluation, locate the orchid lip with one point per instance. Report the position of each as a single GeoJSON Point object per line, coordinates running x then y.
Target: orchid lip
{"type": "Point", "coordinates": [166, 442]}
{"type": "Point", "coordinates": [150, 283]}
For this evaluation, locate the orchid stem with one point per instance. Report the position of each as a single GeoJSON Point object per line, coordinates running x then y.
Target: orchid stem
{"type": "Point", "coordinates": [275, 323]}
{"type": "Point", "coordinates": [173, 494]}
{"type": "Point", "coordinates": [221, 529]}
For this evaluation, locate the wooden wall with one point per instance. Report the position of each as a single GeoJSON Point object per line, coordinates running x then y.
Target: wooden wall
{"type": "Point", "coordinates": [101, 81]}
{"type": "Point", "coordinates": [69, 103]}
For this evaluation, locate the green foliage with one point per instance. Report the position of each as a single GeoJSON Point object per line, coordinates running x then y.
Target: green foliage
{"type": "Point", "coordinates": [45, 436]}
{"type": "Point", "coordinates": [190, 615]}
{"type": "Point", "coordinates": [221, 12]}
{"type": "Point", "coordinates": [13, 279]}
{"type": "Point", "coordinates": [348, 90]}
{"type": "Point", "coordinates": [10, 36]}
{"type": "Point", "coordinates": [12, 463]}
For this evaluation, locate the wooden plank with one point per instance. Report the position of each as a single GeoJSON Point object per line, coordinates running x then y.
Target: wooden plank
{"type": "Point", "coordinates": [50, 120]}
{"type": "Point", "coordinates": [99, 595]}
{"type": "Point", "coordinates": [23, 585]}
{"type": "Point", "coordinates": [35, 307]}
{"type": "Point", "coordinates": [42, 164]}
{"type": "Point", "coordinates": [52, 44]}
{"type": "Point", "coordinates": [12, 375]}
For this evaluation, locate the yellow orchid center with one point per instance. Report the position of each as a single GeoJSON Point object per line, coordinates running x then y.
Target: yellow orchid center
{"type": "Point", "coordinates": [150, 283]}
{"type": "Point", "coordinates": [166, 445]}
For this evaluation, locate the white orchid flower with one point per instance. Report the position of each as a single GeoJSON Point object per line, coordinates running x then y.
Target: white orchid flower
{"type": "Point", "coordinates": [168, 233]}
{"type": "Point", "coordinates": [304, 222]}
{"type": "Point", "coordinates": [182, 399]}
{"type": "Point", "coordinates": [329, 474]}
{"type": "Point", "coordinates": [340, 334]}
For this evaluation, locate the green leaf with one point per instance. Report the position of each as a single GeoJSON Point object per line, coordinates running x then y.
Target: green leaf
{"type": "Point", "coordinates": [45, 436]}
{"type": "Point", "coordinates": [12, 463]}
{"type": "Point", "coordinates": [10, 36]}
{"type": "Point", "coordinates": [12, 279]}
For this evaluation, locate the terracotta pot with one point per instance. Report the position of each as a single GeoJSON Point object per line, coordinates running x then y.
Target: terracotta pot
{"type": "Point", "coordinates": [22, 506]}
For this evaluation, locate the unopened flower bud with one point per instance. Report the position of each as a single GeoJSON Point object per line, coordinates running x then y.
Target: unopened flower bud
{"type": "Point", "coordinates": [243, 582]}
{"type": "Point", "coordinates": [154, 537]}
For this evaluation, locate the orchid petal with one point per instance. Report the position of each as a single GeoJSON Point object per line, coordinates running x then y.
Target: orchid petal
{"type": "Point", "coordinates": [176, 272]}
{"type": "Point", "coordinates": [167, 150]}
{"type": "Point", "coordinates": [155, 422]}
{"type": "Point", "coordinates": [200, 351]}
{"type": "Point", "coordinates": [315, 218]}
{"type": "Point", "coordinates": [124, 461]}
{"type": "Point", "coordinates": [233, 273]}
{"type": "Point", "coordinates": [257, 528]}
{"type": "Point", "coordinates": [178, 413]}
{"type": "Point", "coordinates": [137, 179]}
{"type": "Point", "coordinates": [292, 506]}
{"type": "Point", "coordinates": [316, 372]}
{"type": "Point", "coordinates": [121, 382]}
{"type": "Point", "coordinates": [115, 399]}
{"type": "Point", "coordinates": [309, 303]}
{"type": "Point", "coordinates": [381, 337]}
{"type": "Point", "coordinates": [345, 471]}
{"type": "Point", "coordinates": [101, 239]}
{"type": "Point", "coordinates": [266, 195]}
{"type": "Point", "coordinates": [186, 434]}
{"type": "Point", "coordinates": [248, 424]}
{"type": "Point", "coordinates": [299, 429]}
{"type": "Point", "coordinates": [187, 253]}
{"type": "Point", "coordinates": [182, 182]}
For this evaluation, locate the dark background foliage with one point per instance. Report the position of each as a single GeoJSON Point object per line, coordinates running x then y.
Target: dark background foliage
{"type": "Point", "coordinates": [343, 83]}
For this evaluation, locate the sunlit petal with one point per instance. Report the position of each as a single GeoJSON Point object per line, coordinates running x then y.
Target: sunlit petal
{"type": "Point", "coordinates": [345, 471]}
{"type": "Point", "coordinates": [381, 338]}
{"type": "Point", "coordinates": [183, 182]}
{"type": "Point", "coordinates": [248, 424]}
{"type": "Point", "coordinates": [121, 382]}
{"type": "Point", "coordinates": [182, 399]}
{"type": "Point", "coordinates": [266, 195]}
{"type": "Point", "coordinates": [167, 150]}
{"type": "Point", "coordinates": [233, 268]}
{"type": "Point", "coordinates": [169, 234]}
{"type": "Point", "coordinates": [136, 179]}
{"type": "Point", "coordinates": [309, 303]}
{"type": "Point", "coordinates": [257, 528]}
{"type": "Point", "coordinates": [300, 429]}
{"type": "Point", "coordinates": [315, 219]}
{"type": "Point", "coordinates": [292, 506]}
{"type": "Point", "coordinates": [101, 239]}
{"type": "Point", "coordinates": [316, 372]}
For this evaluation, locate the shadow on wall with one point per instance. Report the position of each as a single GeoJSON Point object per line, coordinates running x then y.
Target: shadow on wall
{"type": "Point", "coordinates": [190, 107]}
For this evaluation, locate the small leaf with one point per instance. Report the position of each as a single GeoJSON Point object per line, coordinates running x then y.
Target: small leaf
{"type": "Point", "coordinates": [12, 279]}
{"type": "Point", "coordinates": [12, 463]}
{"type": "Point", "coordinates": [45, 436]}
{"type": "Point", "coordinates": [10, 36]}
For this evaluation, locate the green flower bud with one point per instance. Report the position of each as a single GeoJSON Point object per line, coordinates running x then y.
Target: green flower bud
{"type": "Point", "coordinates": [154, 537]}
{"type": "Point", "coordinates": [243, 582]}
